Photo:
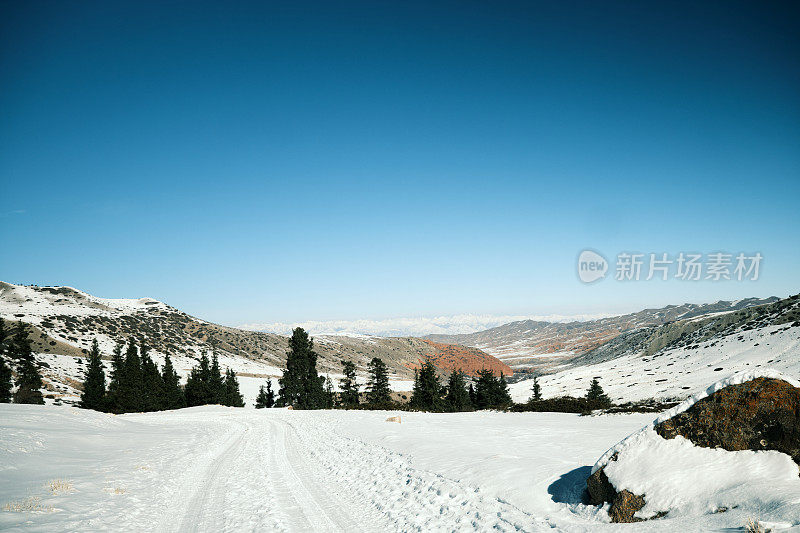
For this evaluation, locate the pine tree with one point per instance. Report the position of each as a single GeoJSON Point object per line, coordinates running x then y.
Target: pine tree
{"type": "Point", "coordinates": [173, 397]}
{"type": "Point", "coordinates": [473, 398]}
{"type": "Point", "coordinates": [29, 381]}
{"type": "Point", "coordinates": [198, 384]}
{"type": "Point", "coordinates": [330, 396]}
{"type": "Point", "coordinates": [596, 394]}
{"type": "Point", "coordinates": [301, 386]}
{"type": "Point", "coordinates": [152, 383]}
{"type": "Point", "coordinates": [491, 392]}
{"type": "Point", "coordinates": [457, 398]}
{"type": "Point", "coordinates": [378, 390]}
{"type": "Point", "coordinates": [536, 390]}
{"type": "Point", "coordinates": [484, 389]}
{"type": "Point", "coordinates": [426, 388]}
{"type": "Point", "coordinates": [261, 399]}
{"type": "Point", "coordinates": [6, 383]}
{"type": "Point", "coordinates": [112, 401]}
{"type": "Point", "coordinates": [129, 397]}
{"type": "Point", "coordinates": [270, 400]}
{"type": "Point", "coordinates": [217, 382]}
{"type": "Point", "coordinates": [348, 385]}
{"type": "Point", "coordinates": [233, 397]}
{"type": "Point", "coordinates": [94, 382]}
{"type": "Point", "coordinates": [503, 395]}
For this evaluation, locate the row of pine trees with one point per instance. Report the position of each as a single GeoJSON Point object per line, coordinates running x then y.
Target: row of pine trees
{"type": "Point", "coordinates": [137, 385]}
{"type": "Point", "coordinates": [302, 387]}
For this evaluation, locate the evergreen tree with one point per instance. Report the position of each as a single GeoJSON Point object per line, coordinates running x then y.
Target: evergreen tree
{"type": "Point", "coordinates": [536, 390]}
{"type": "Point", "coordinates": [198, 384]}
{"type": "Point", "coordinates": [270, 400]}
{"type": "Point", "coordinates": [300, 385]}
{"type": "Point", "coordinates": [503, 395]}
{"type": "Point", "coordinates": [426, 388]}
{"type": "Point", "coordinates": [348, 385]}
{"type": "Point", "coordinates": [233, 397]}
{"type": "Point", "coordinates": [457, 398]}
{"type": "Point", "coordinates": [378, 391]}
{"type": "Point", "coordinates": [330, 396]}
{"type": "Point", "coordinates": [173, 397]}
{"type": "Point", "coordinates": [491, 392]}
{"type": "Point", "coordinates": [217, 382]}
{"type": "Point", "coordinates": [473, 398]}
{"type": "Point", "coordinates": [29, 381]}
{"type": "Point", "coordinates": [261, 399]}
{"type": "Point", "coordinates": [152, 383]}
{"type": "Point", "coordinates": [94, 382]}
{"type": "Point", "coordinates": [596, 394]}
{"type": "Point", "coordinates": [6, 382]}
{"type": "Point", "coordinates": [129, 396]}
{"type": "Point", "coordinates": [112, 403]}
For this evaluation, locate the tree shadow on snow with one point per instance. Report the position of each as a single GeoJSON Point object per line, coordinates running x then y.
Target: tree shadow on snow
{"type": "Point", "coordinates": [571, 487]}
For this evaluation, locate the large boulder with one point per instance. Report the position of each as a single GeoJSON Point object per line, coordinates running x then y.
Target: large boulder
{"type": "Point", "coordinates": [761, 414]}
{"type": "Point", "coordinates": [745, 412]}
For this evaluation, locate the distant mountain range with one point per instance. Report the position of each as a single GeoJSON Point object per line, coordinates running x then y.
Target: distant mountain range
{"type": "Point", "coordinates": [542, 346]}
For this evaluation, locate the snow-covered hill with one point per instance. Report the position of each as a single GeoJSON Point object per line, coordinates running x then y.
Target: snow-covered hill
{"type": "Point", "coordinates": [67, 320]}
{"type": "Point", "coordinates": [671, 360]}
{"type": "Point", "coordinates": [541, 345]}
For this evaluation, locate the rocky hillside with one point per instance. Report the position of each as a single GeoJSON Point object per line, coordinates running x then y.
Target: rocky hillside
{"type": "Point", "coordinates": [541, 346]}
{"type": "Point", "coordinates": [669, 360]}
{"type": "Point", "coordinates": [66, 320]}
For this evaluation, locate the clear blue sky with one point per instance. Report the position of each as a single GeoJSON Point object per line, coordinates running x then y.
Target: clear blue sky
{"type": "Point", "coordinates": [296, 160]}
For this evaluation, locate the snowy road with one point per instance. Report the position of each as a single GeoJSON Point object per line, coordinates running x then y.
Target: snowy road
{"type": "Point", "coordinates": [224, 469]}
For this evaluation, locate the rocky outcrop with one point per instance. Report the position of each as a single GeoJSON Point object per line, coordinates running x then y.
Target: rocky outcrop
{"type": "Point", "coordinates": [624, 503]}
{"type": "Point", "coordinates": [761, 414]}
{"type": "Point", "coordinates": [449, 357]}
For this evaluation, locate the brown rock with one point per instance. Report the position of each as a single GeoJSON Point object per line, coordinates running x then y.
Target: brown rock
{"type": "Point", "coordinates": [761, 414]}
{"type": "Point", "coordinates": [624, 504]}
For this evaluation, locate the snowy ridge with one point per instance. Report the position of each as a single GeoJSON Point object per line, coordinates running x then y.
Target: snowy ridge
{"type": "Point", "coordinates": [35, 303]}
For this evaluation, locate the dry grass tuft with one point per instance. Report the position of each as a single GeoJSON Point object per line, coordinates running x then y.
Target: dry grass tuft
{"type": "Point", "coordinates": [114, 490]}
{"type": "Point", "coordinates": [60, 486]}
{"type": "Point", "coordinates": [754, 526]}
{"type": "Point", "coordinates": [31, 504]}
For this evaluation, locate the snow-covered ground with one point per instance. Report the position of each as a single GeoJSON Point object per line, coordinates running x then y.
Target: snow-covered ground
{"type": "Point", "coordinates": [223, 469]}
{"type": "Point", "coordinates": [676, 373]}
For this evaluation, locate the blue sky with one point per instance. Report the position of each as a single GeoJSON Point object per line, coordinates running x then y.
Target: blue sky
{"type": "Point", "coordinates": [316, 161]}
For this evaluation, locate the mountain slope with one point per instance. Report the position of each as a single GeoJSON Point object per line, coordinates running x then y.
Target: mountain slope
{"type": "Point", "coordinates": [66, 321]}
{"type": "Point", "coordinates": [537, 345]}
{"type": "Point", "coordinates": [670, 360]}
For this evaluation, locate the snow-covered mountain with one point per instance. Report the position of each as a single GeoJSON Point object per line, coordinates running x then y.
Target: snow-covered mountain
{"type": "Point", "coordinates": [540, 345]}
{"type": "Point", "coordinates": [672, 359]}
{"type": "Point", "coordinates": [67, 320]}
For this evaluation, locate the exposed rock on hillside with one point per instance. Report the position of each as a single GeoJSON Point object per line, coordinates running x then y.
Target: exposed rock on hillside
{"type": "Point", "coordinates": [449, 357]}
{"type": "Point", "coordinates": [702, 452]}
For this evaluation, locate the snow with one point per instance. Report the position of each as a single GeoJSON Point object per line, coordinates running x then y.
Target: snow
{"type": "Point", "coordinates": [36, 303]}
{"type": "Point", "coordinates": [224, 469]}
{"type": "Point", "coordinates": [676, 373]}
{"type": "Point", "coordinates": [683, 479]}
